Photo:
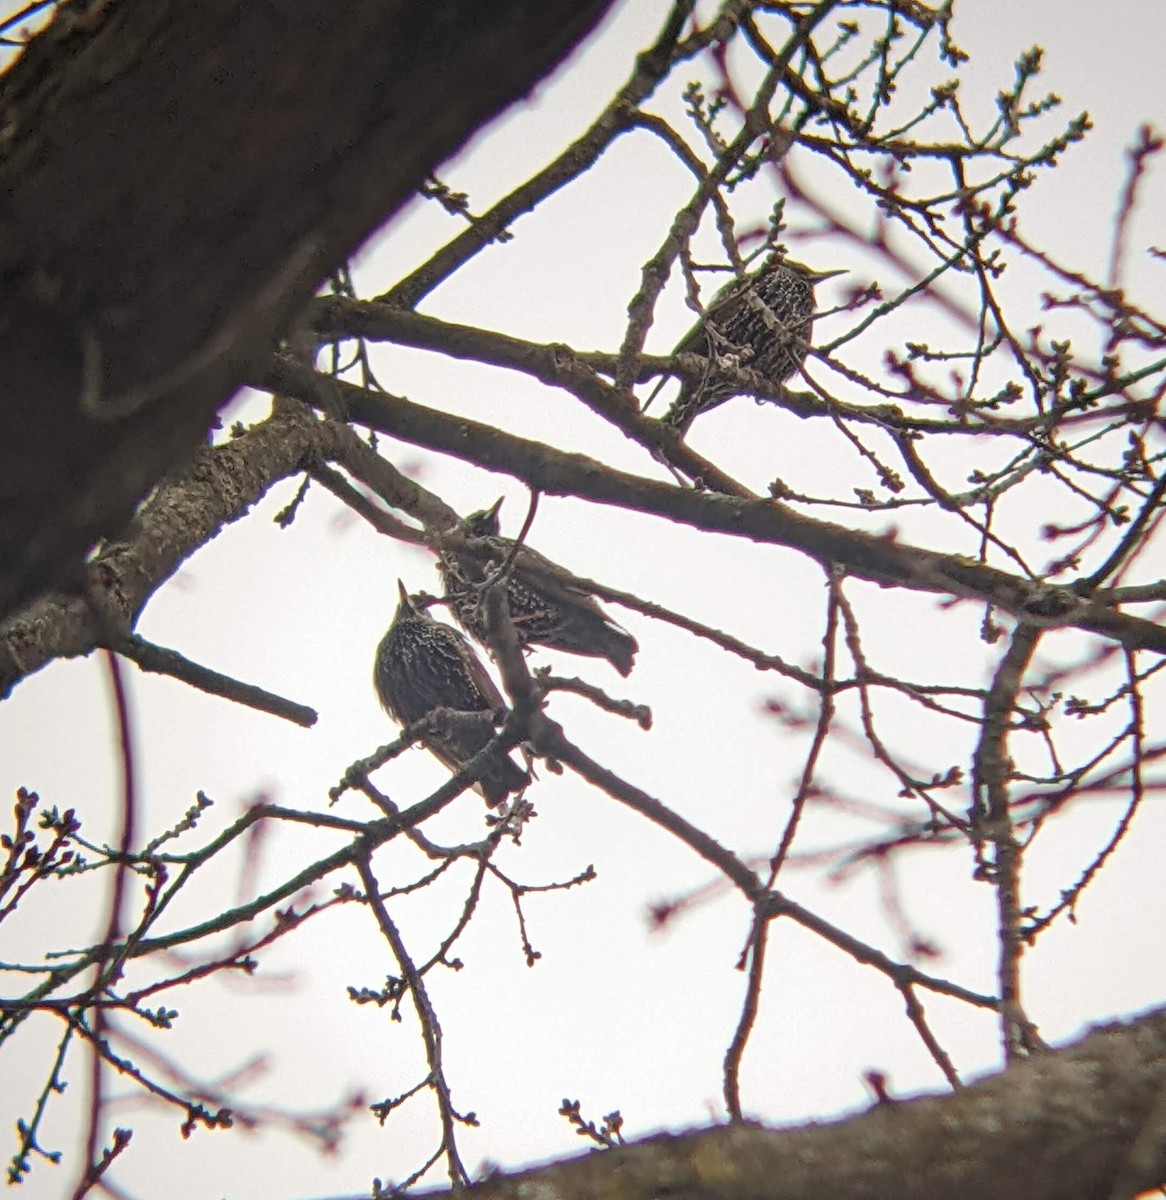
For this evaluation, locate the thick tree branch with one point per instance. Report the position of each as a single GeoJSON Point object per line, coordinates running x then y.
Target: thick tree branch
{"type": "Point", "coordinates": [863, 555]}
{"type": "Point", "coordinates": [219, 485]}
{"type": "Point", "coordinates": [1060, 1126]}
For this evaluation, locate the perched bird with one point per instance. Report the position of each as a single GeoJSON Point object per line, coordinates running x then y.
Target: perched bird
{"type": "Point", "coordinates": [422, 665]}
{"type": "Point", "coordinates": [776, 341]}
{"type": "Point", "coordinates": [546, 607]}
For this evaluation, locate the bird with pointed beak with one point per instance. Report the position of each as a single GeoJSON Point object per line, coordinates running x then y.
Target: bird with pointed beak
{"type": "Point", "coordinates": [547, 605]}
{"type": "Point", "coordinates": [766, 318]}
{"type": "Point", "coordinates": [423, 665]}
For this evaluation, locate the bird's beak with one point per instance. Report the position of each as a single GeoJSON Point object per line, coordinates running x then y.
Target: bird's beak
{"type": "Point", "coordinates": [820, 275]}
{"type": "Point", "coordinates": [492, 511]}
{"type": "Point", "coordinates": [404, 593]}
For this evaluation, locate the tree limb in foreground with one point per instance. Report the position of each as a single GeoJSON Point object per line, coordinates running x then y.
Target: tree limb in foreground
{"type": "Point", "coordinates": [1085, 1123]}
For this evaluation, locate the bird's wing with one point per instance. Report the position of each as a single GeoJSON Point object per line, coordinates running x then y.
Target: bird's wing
{"type": "Point", "coordinates": [556, 584]}
{"type": "Point", "coordinates": [695, 341]}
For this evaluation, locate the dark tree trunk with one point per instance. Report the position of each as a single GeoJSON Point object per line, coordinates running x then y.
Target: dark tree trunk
{"type": "Point", "coordinates": [175, 180]}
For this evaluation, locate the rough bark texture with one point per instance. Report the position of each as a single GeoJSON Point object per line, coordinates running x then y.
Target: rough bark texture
{"type": "Point", "coordinates": [175, 180]}
{"type": "Point", "coordinates": [1086, 1123]}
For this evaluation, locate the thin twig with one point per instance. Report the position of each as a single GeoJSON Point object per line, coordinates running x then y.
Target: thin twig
{"type": "Point", "coordinates": [430, 1027]}
{"type": "Point", "coordinates": [161, 660]}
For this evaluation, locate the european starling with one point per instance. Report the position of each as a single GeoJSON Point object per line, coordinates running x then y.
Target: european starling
{"type": "Point", "coordinates": [776, 342]}
{"type": "Point", "coordinates": [422, 665]}
{"type": "Point", "coordinates": [547, 609]}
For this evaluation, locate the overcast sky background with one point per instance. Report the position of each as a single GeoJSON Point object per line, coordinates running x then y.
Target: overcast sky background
{"type": "Point", "coordinates": [612, 1015]}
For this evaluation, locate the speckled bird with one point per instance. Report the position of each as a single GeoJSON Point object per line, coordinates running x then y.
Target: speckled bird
{"type": "Point", "coordinates": [546, 607]}
{"type": "Point", "coordinates": [776, 343]}
{"type": "Point", "coordinates": [422, 665]}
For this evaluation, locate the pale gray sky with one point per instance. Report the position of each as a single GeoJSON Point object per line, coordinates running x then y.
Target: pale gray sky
{"type": "Point", "coordinates": [612, 1015]}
